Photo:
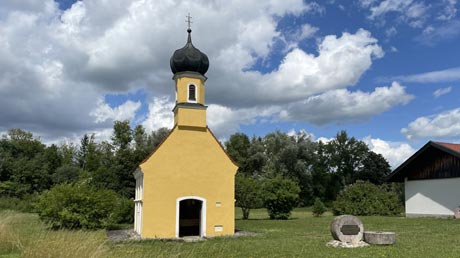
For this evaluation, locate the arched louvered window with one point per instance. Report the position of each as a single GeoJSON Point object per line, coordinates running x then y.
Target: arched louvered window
{"type": "Point", "coordinates": [192, 93]}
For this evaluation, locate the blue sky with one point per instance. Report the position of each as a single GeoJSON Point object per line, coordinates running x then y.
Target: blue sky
{"type": "Point", "coordinates": [386, 71]}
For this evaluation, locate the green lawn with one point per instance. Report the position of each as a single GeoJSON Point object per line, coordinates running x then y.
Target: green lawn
{"type": "Point", "coordinates": [22, 235]}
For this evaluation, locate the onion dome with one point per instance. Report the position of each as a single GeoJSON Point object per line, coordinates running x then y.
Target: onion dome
{"type": "Point", "coordinates": [189, 59]}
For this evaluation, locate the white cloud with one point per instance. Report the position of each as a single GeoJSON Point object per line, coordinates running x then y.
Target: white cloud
{"type": "Point", "coordinates": [434, 34]}
{"type": "Point", "coordinates": [340, 63]}
{"type": "Point", "coordinates": [366, 3]}
{"type": "Point", "coordinates": [391, 32]}
{"type": "Point", "coordinates": [225, 121]}
{"type": "Point", "coordinates": [445, 125]}
{"type": "Point", "coordinates": [394, 152]}
{"type": "Point", "coordinates": [448, 75]}
{"type": "Point", "coordinates": [411, 12]}
{"type": "Point", "coordinates": [307, 31]}
{"type": "Point", "coordinates": [344, 106]}
{"type": "Point", "coordinates": [160, 114]}
{"type": "Point", "coordinates": [125, 111]}
{"type": "Point", "coordinates": [449, 12]}
{"type": "Point", "coordinates": [55, 65]}
{"type": "Point", "coordinates": [389, 6]}
{"type": "Point", "coordinates": [442, 91]}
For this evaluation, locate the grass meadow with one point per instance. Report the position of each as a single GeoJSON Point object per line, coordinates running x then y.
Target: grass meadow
{"type": "Point", "coordinates": [23, 235]}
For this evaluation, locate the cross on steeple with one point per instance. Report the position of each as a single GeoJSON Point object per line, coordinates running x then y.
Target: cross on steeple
{"type": "Point", "coordinates": [189, 22]}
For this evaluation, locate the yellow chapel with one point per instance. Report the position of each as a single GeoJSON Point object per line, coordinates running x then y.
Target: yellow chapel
{"type": "Point", "coordinates": [186, 186]}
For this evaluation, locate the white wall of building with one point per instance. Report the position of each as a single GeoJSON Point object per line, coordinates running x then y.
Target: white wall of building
{"type": "Point", "coordinates": [432, 197]}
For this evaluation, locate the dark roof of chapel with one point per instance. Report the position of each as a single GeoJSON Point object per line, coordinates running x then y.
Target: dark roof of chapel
{"type": "Point", "coordinates": [189, 58]}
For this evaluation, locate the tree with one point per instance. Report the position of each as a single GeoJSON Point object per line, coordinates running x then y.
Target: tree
{"type": "Point", "coordinates": [237, 147]}
{"type": "Point", "coordinates": [247, 194]}
{"type": "Point", "coordinates": [122, 134]}
{"type": "Point", "coordinates": [366, 199]}
{"type": "Point", "coordinates": [346, 156]}
{"type": "Point", "coordinates": [318, 208]}
{"type": "Point", "coordinates": [83, 151]}
{"type": "Point", "coordinates": [256, 160]}
{"type": "Point", "coordinates": [375, 169]}
{"type": "Point", "coordinates": [24, 167]}
{"type": "Point", "coordinates": [280, 197]}
{"type": "Point", "coordinates": [66, 174]}
{"type": "Point", "coordinates": [77, 206]}
{"type": "Point", "coordinates": [68, 153]}
{"type": "Point", "coordinates": [53, 158]}
{"type": "Point", "coordinates": [156, 137]}
{"type": "Point", "coordinates": [140, 138]}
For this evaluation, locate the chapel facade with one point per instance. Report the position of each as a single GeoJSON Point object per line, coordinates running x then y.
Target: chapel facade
{"type": "Point", "coordinates": [186, 186]}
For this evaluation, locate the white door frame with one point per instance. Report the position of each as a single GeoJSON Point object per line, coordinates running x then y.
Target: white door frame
{"type": "Point", "coordinates": [203, 214]}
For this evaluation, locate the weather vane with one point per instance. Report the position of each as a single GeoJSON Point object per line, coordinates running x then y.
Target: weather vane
{"type": "Point", "coordinates": [189, 21]}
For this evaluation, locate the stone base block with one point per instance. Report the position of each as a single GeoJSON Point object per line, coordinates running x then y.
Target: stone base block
{"type": "Point", "coordinates": [379, 238]}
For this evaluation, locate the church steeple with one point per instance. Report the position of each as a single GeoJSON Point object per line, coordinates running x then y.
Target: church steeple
{"type": "Point", "coordinates": [189, 66]}
{"type": "Point", "coordinates": [189, 58]}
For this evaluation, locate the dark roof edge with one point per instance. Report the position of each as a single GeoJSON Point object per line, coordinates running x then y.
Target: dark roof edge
{"type": "Point", "coordinates": [398, 170]}
{"type": "Point", "coordinates": [446, 149]}
{"type": "Point", "coordinates": [222, 147]}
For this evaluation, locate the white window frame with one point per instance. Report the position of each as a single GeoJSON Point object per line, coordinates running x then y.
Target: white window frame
{"type": "Point", "coordinates": [188, 93]}
{"type": "Point", "coordinates": [203, 214]}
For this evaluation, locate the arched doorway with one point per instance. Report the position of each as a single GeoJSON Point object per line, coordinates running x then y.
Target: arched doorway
{"type": "Point", "coordinates": [191, 217]}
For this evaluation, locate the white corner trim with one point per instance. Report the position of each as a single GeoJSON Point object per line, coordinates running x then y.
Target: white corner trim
{"type": "Point", "coordinates": [138, 172]}
{"type": "Point", "coordinates": [203, 214]}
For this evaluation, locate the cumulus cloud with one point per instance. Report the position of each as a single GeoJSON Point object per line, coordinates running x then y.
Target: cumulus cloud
{"type": "Point", "coordinates": [125, 111]}
{"type": "Point", "coordinates": [340, 63]}
{"type": "Point", "coordinates": [56, 66]}
{"type": "Point", "coordinates": [445, 125]}
{"type": "Point", "coordinates": [442, 91]}
{"type": "Point", "coordinates": [343, 105]}
{"type": "Point", "coordinates": [225, 121]}
{"type": "Point", "coordinates": [394, 152]}
{"type": "Point", "coordinates": [159, 114]}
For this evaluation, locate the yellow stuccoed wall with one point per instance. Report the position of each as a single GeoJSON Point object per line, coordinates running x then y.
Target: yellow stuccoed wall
{"type": "Point", "coordinates": [190, 117]}
{"type": "Point", "coordinates": [189, 163]}
{"type": "Point", "coordinates": [182, 83]}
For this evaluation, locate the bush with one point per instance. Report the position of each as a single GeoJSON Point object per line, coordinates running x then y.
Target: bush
{"type": "Point", "coordinates": [77, 206]}
{"type": "Point", "coordinates": [365, 199]}
{"type": "Point", "coordinates": [25, 204]}
{"type": "Point", "coordinates": [318, 208]}
{"type": "Point", "coordinates": [280, 197]}
{"type": "Point", "coordinates": [124, 212]}
{"type": "Point", "coordinates": [247, 194]}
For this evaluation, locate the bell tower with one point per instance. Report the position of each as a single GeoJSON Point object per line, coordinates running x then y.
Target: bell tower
{"type": "Point", "coordinates": [189, 65]}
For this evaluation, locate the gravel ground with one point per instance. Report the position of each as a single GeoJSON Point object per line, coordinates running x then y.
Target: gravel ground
{"type": "Point", "coordinates": [130, 235]}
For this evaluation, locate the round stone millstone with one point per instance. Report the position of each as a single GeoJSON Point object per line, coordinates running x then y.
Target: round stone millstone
{"type": "Point", "coordinates": [347, 228]}
{"type": "Point", "coordinates": [379, 238]}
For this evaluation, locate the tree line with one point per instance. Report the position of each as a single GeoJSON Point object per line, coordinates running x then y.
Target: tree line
{"type": "Point", "coordinates": [319, 169]}
{"type": "Point", "coordinates": [28, 167]}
